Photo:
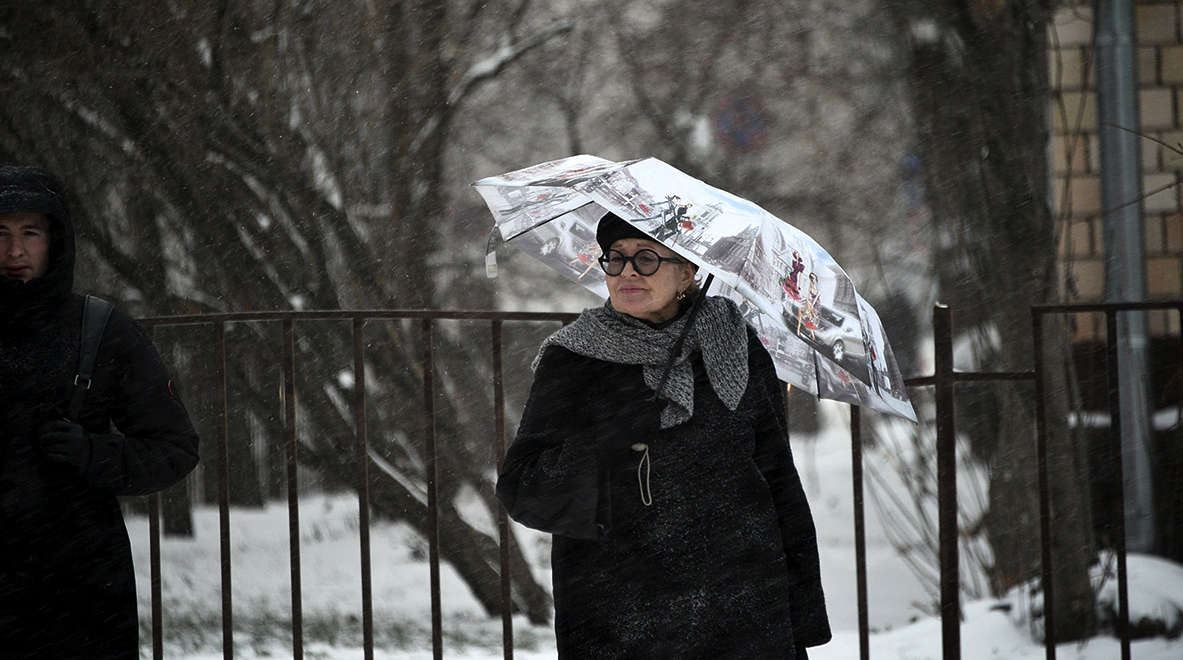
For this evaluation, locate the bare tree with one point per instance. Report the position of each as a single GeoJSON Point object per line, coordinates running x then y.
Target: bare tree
{"type": "Point", "coordinates": [979, 85]}
{"type": "Point", "coordinates": [267, 155]}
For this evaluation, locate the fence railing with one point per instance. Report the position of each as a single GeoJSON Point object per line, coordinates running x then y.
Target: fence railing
{"type": "Point", "coordinates": [358, 320]}
{"type": "Point", "coordinates": [943, 381]}
{"type": "Point", "coordinates": [1114, 455]}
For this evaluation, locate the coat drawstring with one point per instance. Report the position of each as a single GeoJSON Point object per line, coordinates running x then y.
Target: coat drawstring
{"type": "Point", "coordinates": [643, 474]}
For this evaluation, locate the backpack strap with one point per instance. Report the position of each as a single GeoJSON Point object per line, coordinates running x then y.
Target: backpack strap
{"type": "Point", "coordinates": [94, 321]}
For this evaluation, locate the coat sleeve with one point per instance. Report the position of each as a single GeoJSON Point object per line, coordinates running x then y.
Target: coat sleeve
{"type": "Point", "coordinates": [153, 444]}
{"type": "Point", "coordinates": [552, 479]}
{"type": "Point", "coordinates": [811, 625]}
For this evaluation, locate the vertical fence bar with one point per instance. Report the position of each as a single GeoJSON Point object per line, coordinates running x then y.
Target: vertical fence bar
{"type": "Point", "coordinates": [154, 562]}
{"type": "Point", "coordinates": [502, 518]}
{"type": "Point", "coordinates": [1115, 457]}
{"type": "Point", "coordinates": [860, 532]}
{"type": "Point", "coordinates": [429, 448]}
{"type": "Point", "coordinates": [363, 486]}
{"type": "Point", "coordinates": [292, 445]}
{"type": "Point", "coordinates": [947, 484]}
{"type": "Point", "coordinates": [156, 582]}
{"type": "Point", "coordinates": [1047, 582]}
{"type": "Point", "coordinates": [224, 489]}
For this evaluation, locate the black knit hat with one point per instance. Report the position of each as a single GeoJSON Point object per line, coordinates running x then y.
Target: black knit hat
{"type": "Point", "coordinates": [612, 228]}
{"type": "Point", "coordinates": [32, 189]}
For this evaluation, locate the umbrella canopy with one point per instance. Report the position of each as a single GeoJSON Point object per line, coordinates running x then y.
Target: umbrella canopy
{"type": "Point", "coordinates": [822, 335]}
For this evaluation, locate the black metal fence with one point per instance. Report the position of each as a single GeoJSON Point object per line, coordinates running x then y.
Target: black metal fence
{"type": "Point", "coordinates": [427, 320]}
{"type": "Point", "coordinates": [943, 382]}
{"type": "Point", "coordinates": [1114, 455]}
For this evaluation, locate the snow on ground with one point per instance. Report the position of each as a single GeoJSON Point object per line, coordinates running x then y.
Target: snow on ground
{"type": "Point", "coordinates": [331, 577]}
{"type": "Point", "coordinates": [986, 634]}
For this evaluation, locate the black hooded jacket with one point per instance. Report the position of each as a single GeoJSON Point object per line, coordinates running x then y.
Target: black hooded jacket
{"type": "Point", "coordinates": [67, 586]}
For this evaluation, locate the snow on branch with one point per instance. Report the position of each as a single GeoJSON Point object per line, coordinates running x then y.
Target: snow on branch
{"type": "Point", "coordinates": [485, 69]}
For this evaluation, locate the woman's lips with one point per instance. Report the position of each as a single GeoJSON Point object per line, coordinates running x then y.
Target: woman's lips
{"type": "Point", "coordinates": [15, 271]}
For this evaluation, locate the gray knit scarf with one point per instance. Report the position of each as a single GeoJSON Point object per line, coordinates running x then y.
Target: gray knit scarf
{"type": "Point", "coordinates": [719, 333]}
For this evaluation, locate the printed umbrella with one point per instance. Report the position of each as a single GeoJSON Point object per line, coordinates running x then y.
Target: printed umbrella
{"type": "Point", "coordinates": [822, 335]}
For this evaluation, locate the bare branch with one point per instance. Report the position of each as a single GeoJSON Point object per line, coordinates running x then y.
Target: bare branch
{"type": "Point", "coordinates": [483, 70]}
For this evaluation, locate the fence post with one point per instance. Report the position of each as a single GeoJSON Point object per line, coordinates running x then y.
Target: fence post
{"type": "Point", "coordinates": [429, 448]}
{"type": "Point", "coordinates": [503, 532]}
{"type": "Point", "coordinates": [947, 483]}
{"type": "Point", "coordinates": [156, 584]}
{"type": "Point", "coordinates": [363, 487]}
{"type": "Point", "coordinates": [224, 490]}
{"type": "Point", "coordinates": [860, 532]}
{"type": "Point", "coordinates": [1047, 582]}
{"type": "Point", "coordinates": [1116, 459]}
{"type": "Point", "coordinates": [291, 444]}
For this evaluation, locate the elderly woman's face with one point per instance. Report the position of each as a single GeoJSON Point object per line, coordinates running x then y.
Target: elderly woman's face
{"type": "Point", "coordinates": [653, 298]}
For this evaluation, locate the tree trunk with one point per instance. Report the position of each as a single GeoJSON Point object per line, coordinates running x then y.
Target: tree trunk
{"type": "Point", "coordinates": [473, 554]}
{"type": "Point", "coordinates": [176, 511]}
{"type": "Point", "coordinates": [980, 88]}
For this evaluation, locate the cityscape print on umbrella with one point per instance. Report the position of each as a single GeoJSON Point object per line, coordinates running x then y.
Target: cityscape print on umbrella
{"type": "Point", "coordinates": [821, 334]}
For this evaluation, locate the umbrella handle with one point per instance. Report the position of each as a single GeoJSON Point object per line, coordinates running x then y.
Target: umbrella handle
{"type": "Point", "coordinates": [699, 297]}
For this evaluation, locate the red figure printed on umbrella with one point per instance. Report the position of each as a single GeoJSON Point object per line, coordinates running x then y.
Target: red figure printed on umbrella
{"type": "Point", "coordinates": [849, 384]}
{"type": "Point", "coordinates": [790, 281]}
{"type": "Point", "coordinates": [586, 258]}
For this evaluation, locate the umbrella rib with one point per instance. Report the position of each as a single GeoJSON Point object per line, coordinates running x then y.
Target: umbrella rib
{"type": "Point", "coordinates": [548, 221]}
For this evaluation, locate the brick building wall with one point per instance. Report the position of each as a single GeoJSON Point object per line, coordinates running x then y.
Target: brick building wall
{"type": "Point", "coordinates": [1076, 167]}
{"type": "Point", "coordinates": [1076, 157]}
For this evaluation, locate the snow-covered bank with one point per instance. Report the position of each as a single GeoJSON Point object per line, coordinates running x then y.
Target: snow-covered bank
{"type": "Point", "coordinates": [986, 634]}
{"type": "Point", "coordinates": [332, 588]}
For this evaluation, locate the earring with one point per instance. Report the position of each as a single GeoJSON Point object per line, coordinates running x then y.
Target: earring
{"type": "Point", "coordinates": [681, 295]}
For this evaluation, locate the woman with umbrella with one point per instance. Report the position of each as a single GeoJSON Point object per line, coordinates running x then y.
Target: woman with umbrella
{"type": "Point", "coordinates": [680, 526]}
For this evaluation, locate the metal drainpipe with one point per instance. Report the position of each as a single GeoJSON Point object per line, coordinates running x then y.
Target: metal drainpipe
{"type": "Point", "coordinates": [1125, 270]}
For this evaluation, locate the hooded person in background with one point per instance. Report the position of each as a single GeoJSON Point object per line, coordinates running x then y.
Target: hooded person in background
{"type": "Point", "coordinates": [67, 585]}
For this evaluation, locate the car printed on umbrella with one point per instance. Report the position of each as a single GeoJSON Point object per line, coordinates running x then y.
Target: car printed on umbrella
{"type": "Point", "coordinates": [561, 247]}
{"type": "Point", "coordinates": [836, 334]}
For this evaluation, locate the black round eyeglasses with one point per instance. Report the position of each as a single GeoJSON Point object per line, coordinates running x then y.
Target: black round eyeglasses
{"type": "Point", "coordinates": [645, 262]}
